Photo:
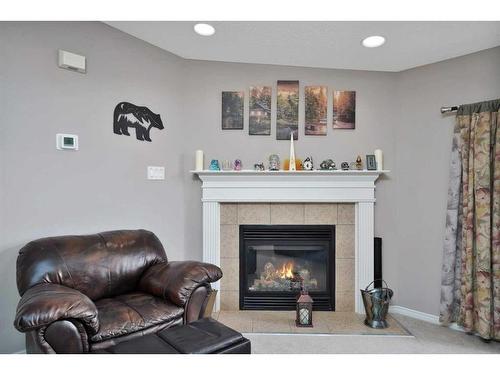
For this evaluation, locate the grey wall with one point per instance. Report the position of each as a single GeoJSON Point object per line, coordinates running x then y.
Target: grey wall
{"type": "Point", "coordinates": [104, 183]}
{"type": "Point", "coordinates": [422, 142]}
{"type": "Point", "coordinates": [102, 186]}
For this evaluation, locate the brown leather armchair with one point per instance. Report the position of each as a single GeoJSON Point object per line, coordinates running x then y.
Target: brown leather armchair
{"type": "Point", "coordinates": [81, 294]}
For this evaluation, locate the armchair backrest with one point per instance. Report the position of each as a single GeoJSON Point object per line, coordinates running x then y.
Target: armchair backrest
{"type": "Point", "coordinates": [98, 265]}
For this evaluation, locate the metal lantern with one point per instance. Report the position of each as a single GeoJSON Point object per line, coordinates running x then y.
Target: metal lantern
{"type": "Point", "coordinates": [304, 310]}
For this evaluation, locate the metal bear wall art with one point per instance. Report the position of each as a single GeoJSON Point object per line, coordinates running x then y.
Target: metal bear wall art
{"type": "Point", "coordinates": [142, 119]}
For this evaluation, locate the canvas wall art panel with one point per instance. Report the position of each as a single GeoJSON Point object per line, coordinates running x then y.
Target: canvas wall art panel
{"type": "Point", "coordinates": [316, 104]}
{"type": "Point", "coordinates": [259, 121]}
{"type": "Point", "coordinates": [344, 109]}
{"type": "Point", "coordinates": [287, 110]}
{"type": "Point", "coordinates": [232, 110]}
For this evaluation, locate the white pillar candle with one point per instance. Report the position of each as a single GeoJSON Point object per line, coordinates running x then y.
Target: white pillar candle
{"type": "Point", "coordinates": [379, 158]}
{"type": "Point", "coordinates": [199, 160]}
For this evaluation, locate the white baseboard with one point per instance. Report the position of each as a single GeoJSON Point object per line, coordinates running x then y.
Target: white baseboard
{"type": "Point", "coordinates": [429, 318]}
{"type": "Point", "coordinates": [434, 319]}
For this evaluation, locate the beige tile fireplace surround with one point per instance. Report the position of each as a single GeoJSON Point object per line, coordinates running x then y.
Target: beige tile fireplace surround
{"type": "Point", "coordinates": [292, 196]}
{"type": "Point", "coordinates": [342, 215]}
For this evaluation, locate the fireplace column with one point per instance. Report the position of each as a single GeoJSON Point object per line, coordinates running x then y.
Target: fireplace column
{"type": "Point", "coordinates": [211, 239]}
{"type": "Point", "coordinates": [364, 250]}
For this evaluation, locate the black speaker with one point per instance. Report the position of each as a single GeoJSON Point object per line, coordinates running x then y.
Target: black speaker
{"type": "Point", "coordinates": [377, 261]}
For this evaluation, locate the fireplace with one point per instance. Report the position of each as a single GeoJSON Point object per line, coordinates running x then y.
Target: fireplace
{"type": "Point", "coordinates": [276, 259]}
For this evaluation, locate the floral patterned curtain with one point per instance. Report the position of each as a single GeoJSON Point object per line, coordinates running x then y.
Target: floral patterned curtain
{"type": "Point", "coordinates": [470, 283]}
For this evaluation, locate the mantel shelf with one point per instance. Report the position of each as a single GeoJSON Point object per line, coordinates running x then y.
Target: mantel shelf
{"type": "Point", "coordinates": [247, 172]}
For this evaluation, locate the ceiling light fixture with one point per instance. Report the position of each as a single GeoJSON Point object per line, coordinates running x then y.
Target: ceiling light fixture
{"type": "Point", "coordinates": [373, 41]}
{"type": "Point", "coordinates": [204, 29]}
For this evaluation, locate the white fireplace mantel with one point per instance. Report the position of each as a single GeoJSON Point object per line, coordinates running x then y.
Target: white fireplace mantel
{"type": "Point", "coordinates": [351, 186]}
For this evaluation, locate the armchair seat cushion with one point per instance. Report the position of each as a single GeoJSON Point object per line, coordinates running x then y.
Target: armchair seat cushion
{"type": "Point", "coordinates": [132, 312]}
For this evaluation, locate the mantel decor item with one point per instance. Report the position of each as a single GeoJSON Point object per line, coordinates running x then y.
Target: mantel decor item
{"type": "Point", "coordinates": [359, 163]}
{"type": "Point", "coordinates": [379, 157]}
{"type": "Point", "coordinates": [291, 164]}
{"type": "Point", "coordinates": [226, 165]}
{"type": "Point", "coordinates": [298, 165]}
{"type": "Point", "coordinates": [232, 110]}
{"type": "Point", "coordinates": [344, 109]}
{"type": "Point", "coordinates": [371, 163]}
{"type": "Point", "coordinates": [308, 164]}
{"type": "Point", "coordinates": [274, 162]}
{"type": "Point", "coordinates": [345, 166]}
{"type": "Point", "coordinates": [304, 309]}
{"type": "Point", "coordinates": [214, 165]}
{"type": "Point", "coordinates": [327, 165]}
{"type": "Point", "coordinates": [198, 155]}
{"type": "Point", "coordinates": [237, 165]}
{"type": "Point", "coordinates": [259, 167]}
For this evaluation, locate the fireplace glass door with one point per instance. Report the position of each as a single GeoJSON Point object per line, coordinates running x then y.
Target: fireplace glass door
{"type": "Point", "coordinates": [283, 267]}
{"type": "Point", "coordinates": [277, 260]}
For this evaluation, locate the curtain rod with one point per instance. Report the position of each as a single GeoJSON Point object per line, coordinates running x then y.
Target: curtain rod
{"type": "Point", "coordinates": [452, 108]}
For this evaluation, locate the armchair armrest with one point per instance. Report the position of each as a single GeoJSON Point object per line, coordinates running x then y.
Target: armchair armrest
{"type": "Point", "coordinates": [45, 303]}
{"type": "Point", "coordinates": [176, 281]}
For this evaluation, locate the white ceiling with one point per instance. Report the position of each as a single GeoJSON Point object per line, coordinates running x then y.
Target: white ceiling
{"type": "Point", "coordinates": [320, 44]}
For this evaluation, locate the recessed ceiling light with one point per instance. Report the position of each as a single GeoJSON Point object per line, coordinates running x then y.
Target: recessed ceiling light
{"type": "Point", "coordinates": [204, 29]}
{"type": "Point", "coordinates": [373, 41]}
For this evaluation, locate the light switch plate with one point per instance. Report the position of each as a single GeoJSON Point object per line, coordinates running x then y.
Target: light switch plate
{"type": "Point", "coordinates": [156, 173]}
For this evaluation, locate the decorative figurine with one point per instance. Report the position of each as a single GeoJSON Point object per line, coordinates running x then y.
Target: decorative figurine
{"type": "Point", "coordinates": [237, 165]}
{"type": "Point", "coordinates": [344, 166]}
{"type": "Point", "coordinates": [274, 162]}
{"type": "Point", "coordinates": [298, 165]}
{"type": "Point", "coordinates": [214, 165]}
{"type": "Point", "coordinates": [359, 163]}
{"type": "Point", "coordinates": [259, 167]}
{"type": "Point", "coordinates": [291, 164]}
{"type": "Point", "coordinates": [327, 165]}
{"type": "Point", "coordinates": [226, 165]}
{"type": "Point", "coordinates": [308, 164]}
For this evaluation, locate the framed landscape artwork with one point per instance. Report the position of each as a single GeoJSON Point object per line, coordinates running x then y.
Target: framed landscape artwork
{"type": "Point", "coordinates": [259, 122]}
{"type": "Point", "coordinates": [232, 110]}
{"type": "Point", "coordinates": [287, 110]}
{"type": "Point", "coordinates": [316, 102]}
{"type": "Point", "coordinates": [344, 109]}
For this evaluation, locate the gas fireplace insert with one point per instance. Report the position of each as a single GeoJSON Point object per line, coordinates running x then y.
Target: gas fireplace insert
{"type": "Point", "coordinates": [275, 260]}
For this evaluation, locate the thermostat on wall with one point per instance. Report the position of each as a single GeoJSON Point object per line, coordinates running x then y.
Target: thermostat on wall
{"type": "Point", "coordinates": [66, 142]}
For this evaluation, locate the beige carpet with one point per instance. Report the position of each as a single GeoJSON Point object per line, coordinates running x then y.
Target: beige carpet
{"type": "Point", "coordinates": [427, 338]}
{"type": "Point", "coordinates": [325, 322]}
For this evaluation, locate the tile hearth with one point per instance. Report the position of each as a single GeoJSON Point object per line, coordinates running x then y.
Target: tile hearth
{"type": "Point", "coordinates": [325, 322]}
{"type": "Point", "coordinates": [339, 214]}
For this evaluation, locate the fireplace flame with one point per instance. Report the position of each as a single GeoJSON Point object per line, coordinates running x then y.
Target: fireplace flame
{"type": "Point", "coordinates": [286, 271]}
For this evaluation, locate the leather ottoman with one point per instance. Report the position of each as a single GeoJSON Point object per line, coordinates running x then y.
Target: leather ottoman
{"type": "Point", "coordinates": [204, 336]}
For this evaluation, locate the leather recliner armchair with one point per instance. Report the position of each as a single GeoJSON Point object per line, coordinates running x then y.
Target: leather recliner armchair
{"type": "Point", "coordinates": [81, 294]}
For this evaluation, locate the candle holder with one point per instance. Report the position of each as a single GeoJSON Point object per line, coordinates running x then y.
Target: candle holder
{"type": "Point", "coordinates": [304, 309]}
